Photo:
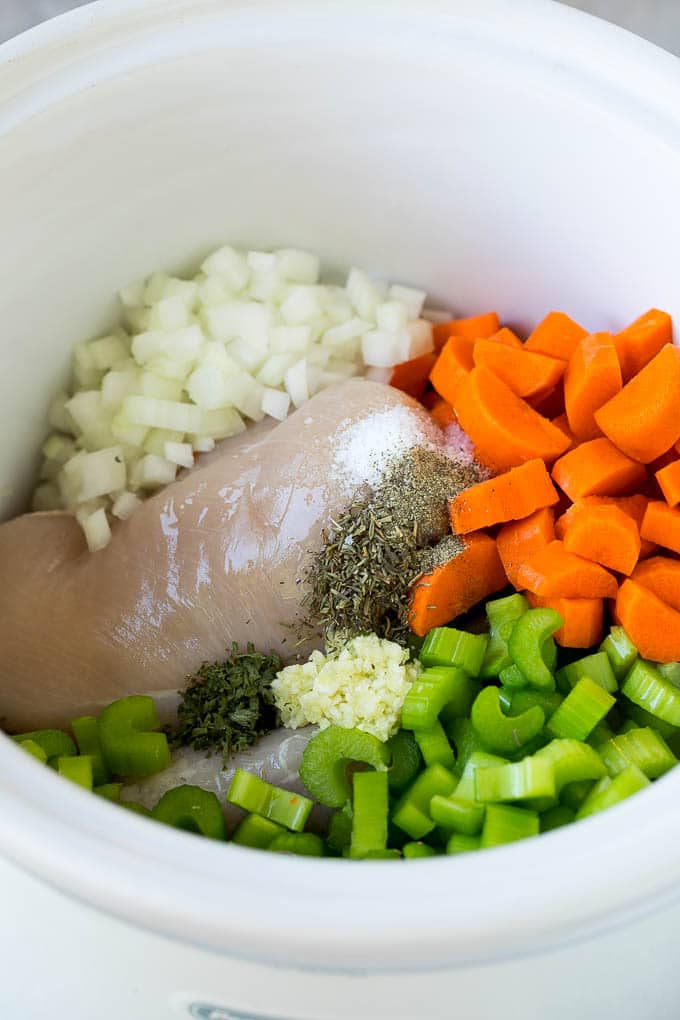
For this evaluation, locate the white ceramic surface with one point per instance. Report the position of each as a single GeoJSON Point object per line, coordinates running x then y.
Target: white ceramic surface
{"type": "Point", "coordinates": [520, 156]}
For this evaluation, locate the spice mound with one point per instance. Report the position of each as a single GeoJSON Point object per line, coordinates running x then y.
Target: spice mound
{"type": "Point", "coordinates": [358, 582]}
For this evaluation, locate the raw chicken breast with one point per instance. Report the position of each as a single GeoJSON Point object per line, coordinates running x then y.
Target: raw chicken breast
{"type": "Point", "coordinates": [216, 557]}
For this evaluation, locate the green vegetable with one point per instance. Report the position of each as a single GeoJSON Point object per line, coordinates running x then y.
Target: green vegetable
{"type": "Point", "coordinates": [527, 642]}
{"type": "Point", "coordinates": [129, 744]}
{"type": "Point", "coordinates": [608, 792]}
{"type": "Point", "coordinates": [35, 749]}
{"type": "Point", "coordinates": [369, 813]}
{"type": "Point", "coordinates": [227, 705]}
{"type": "Point", "coordinates": [574, 794]}
{"type": "Point", "coordinates": [412, 850]}
{"type": "Point", "coordinates": [433, 689]}
{"type": "Point", "coordinates": [405, 760]}
{"type": "Point", "coordinates": [137, 809]}
{"type": "Point", "coordinates": [257, 832]}
{"type": "Point", "coordinates": [412, 811]}
{"type": "Point", "coordinates": [76, 768]}
{"type": "Point", "coordinates": [446, 646]}
{"type": "Point", "coordinates": [572, 762]}
{"type": "Point", "coordinates": [55, 743]}
{"type": "Point", "coordinates": [109, 791]}
{"type": "Point", "coordinates": [340, 828]}
{"type": "Point", "coordinates": [327, 756]}
{"type": "Point", "coordinates": [192, 809]}
{"type": "Point", "coordinates": [556, 817]}
{"type": "Point", "coordinates": [513, 678]}
{"type": "Point", "coordinates": [462, 844]}
{"type": "Point", "coordinates": [580, 712]}
{"type": "Point", "coordinates": [306, 844]}
{"type": "Point", "coordinates": [434, 746]}
{"type": "Point", "coordinates": [87, 738]}
{"type": "Point", "coordinates": [257, 796]}
{"type": "Point", "coordinates": [646, 687]}
{"type": "Point", "coordinates": [523, 780]}
{"type": "Point", "coordinates": [595, 667]}
{"type": "Point", "coordinates": [501, 612]}
{"type": "Point", "coordinates": [670, 671]}
{"type": "Point", "coordinates": [500, 733]}
{"type": "Point", "coordinates": [516, 702]}
{"type": "Point", "coordinates": [642, 747]}
{"type": "Point", "coordinates": [620, 651]}
{"type": "Point", "coordinates": [505, 824]}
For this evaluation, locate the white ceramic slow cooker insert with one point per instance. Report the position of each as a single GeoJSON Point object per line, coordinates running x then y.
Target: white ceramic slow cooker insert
{"type": "Point", "coordinates": [519, 156]}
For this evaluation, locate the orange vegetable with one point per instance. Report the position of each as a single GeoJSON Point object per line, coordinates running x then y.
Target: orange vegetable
{"type": "Point", "coordinates": [583, 620]}
{"type": "Point", "coordinates": [527, 374]}
{"type": "Point", "coordinates": [642, 419]}
{"type": "Point", "coordinates": [557, 336]}
{"type": "Point", "coordinates": [506, 432]}
{"type": "Point", "coordinates": [606, 535]}
{"type": "Point", "coordinates": [474, 327]}
{"type": "Point", "coordinates": [634, 506]}
{"type": "Point", "coordinates": [518, 539]}
{"type": "Point", "coordinates": [592, 378]}
{"type": "Point", "coordinates": [554, 572]}
{"type": "Point", "coordinates": [411, 376]}
{"type": "Point", "coordinates": [507, 497]}
{"type": "Point", "coordinates": [661, 575]}
{"type": "Point", "coordinates": [562, 423]}
{"type": "Point", "coordinates": [652, 626]}
{"type": "Point", "coordinates": [507, 337]}
{"type": "Point", "coordinates": [597, 468]}
{"type": "Point", "coordinates": [442, 412]}
{"type": "Point", "coordinates": [638, 343]}
{"type": "Point", "coordinates": [457, 585]}
{"type": "Point", "coordinates": [453, 365]}
{"type": "Point", "coordinates": [669, 481]}
{"type": "Point", "coordinates": [661, 524]}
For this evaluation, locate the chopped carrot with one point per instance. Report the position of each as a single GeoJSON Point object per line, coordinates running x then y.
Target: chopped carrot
{"type": "Point", "coordinates": [443, 414]}
{"type": "Point", "coordinates": [661, 524]}
{"type": "Point", "coordinates": [507, 337]}
{"type": "Point", "coordinates": [597, 468]}
{"type": "Point", "coordinates": [551, 404]}
{"type": "Point", "coordinates": [661, 575]}
{"type": "Point", "coordinates": [473, 328]}
{"type": "Point", "coordinates": [562, 423]}
{"type": "Point", "coordinates": [527, 374]}
{"type": "Point", "coordinates": [411, 376]}
{"type": "Point", "coordinates": [638, 343]}
{"type": "Point", "coordinates": [634, 506]}
{"type": "Point", "coordinates": [669, 482]}
{"type": "Point", "coordinates": [505, 431]}
{"type": "Point", "coordinates": [651, 624]}
{"type": "Point", "coordinates": [642, 419]}
{"type": "Point", "coordinates": [519, 539]}
{"type": "Point", "coordinates": [554, 572]}
{"type": "Point", "coordinates": [507, 497]}
{"type": "Point", "coordinates": [453, 365]}
{"type": "Point", "coordinates": [583, 620]}
{"type": "Point", "coordinates": [606, 535]}
{"type": "Point", "coordinates": [454, 587]}
{"type": "Point", "coordinates": [593, 377]}
{"type": "Point", "coordinates": [557, 336]}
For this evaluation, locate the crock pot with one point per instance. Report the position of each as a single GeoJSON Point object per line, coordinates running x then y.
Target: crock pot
{"type": "Point", "coordinates": [516, 155]}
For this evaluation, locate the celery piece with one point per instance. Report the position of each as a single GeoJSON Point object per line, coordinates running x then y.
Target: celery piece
{"type": "Point", "coordinates": [464, 690]}
{"type": "Point", "coordinates": [526, 645]}
{"type": "Point", "coordinates": [327, 756]}
{"type": "Point", "coordinates": [574, 794]}
{"type": "Point", "coordinates": [600, 734]}
{"type": "Point", "coordinates": [643, 747]}
{"type": "Point", "coordinates": [646, 687]}
{"type": "Point", "coordinates": [506, 824]}
{"type": "Point", "coordinates": [192, 809]}
{"type": "Point", "coordinates": [512, 678]}
{"type": "Point", "coordinates": [608, 792]}
{"type": "Point", "coordinates": [523, 780]}
{"type": "Point", "coordinates": [596, 667]}
{"type": "Point", "coordinates": [426, 697]}
{"type": "Point", "coordinates": [411, 813]}
{"type": "Point", "coordinates": [447, 646]}
{"type": "Point", "coordinates": [109, 791]}
{"type": "Point", "coordinates": [369, 813]}
{"type": "Point", "coordinates": [255, 795]}
{"type": "Point", "coordinates": [620, 651]}
{"type": "Point", "coordinates": [462, 844]}
{"type": "Point", "coordinates": [55, 743]}
{"type": "Point", "coordinates": [498, 732]}
{"type": "Point", "coordinates": [417, 849]}
{"type": "Point", "coordinates": [556, 817]}
{"type": "Point", "coordinates": [457, 815]}
{"type": "Point", "coordinates": [130, 746]}
{"type": "Point", "coordinates": [573, 762]}
{"type": "Point", "coordinates": [583, 708]}
{"type": "Point", "coordinates": [640, 717]}
{"type": "Point", "coordinates": [405, 760]}
{"type": "Point", "coordinates": [34, 749]}
{"type": "Point", "coordinates": [340, 828]}
{"type": "Point", "coordinates": [434, 746]}
{"type": "Point", "coordinates": [306, 844]}
{"type": "Point", "coordinates": [87, 738]}
{"type": "Point", "coordinates": [257, 832]}
{"type": "Point", "coordinates": [670, 671]}
{"type": "Point", "coordinates": [77, 768]}
{"type": "Point", "coordinates": [517, 702]}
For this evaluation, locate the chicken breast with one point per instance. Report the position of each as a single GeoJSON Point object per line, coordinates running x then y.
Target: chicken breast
{"type": "Point", "coordinates": [216, 557]}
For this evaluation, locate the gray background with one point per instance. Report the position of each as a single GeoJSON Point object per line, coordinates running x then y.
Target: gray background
{"type": "Point", "coordinates": [658, 20]}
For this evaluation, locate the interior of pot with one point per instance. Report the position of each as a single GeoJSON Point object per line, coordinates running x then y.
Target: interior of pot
{"type": "Point", "coordinates": [497, 159]}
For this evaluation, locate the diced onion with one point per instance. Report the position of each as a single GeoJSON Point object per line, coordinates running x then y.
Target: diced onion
{"type": "Point", "coordinates": [275, 403]}
{"type": "Point", "coordinates": [97, 530]}
{"type": "Point", "coordinates": [181, 454]}
{"type": "Point", "coordinates": [125, 504]}
{"type": "Point", "coordinates": [296, 383]}
{"type": "Point", "coordinates": [411, 297]}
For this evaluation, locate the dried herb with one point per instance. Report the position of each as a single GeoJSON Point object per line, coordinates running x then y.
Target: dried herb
{"type": "Point", "coordinates": [227, 705]}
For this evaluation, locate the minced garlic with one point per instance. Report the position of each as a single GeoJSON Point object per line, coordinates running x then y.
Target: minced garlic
{"type": "Point", "coordinates": [363, 684]}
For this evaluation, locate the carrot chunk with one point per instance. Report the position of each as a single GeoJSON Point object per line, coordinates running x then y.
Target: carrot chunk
{"type": "Point", "coordinates": [557, 336]}
{"type": "Point", "coordinates": [562, 423]}
{"type": "Point", "coordinates": [554, 572]}
{"type": "Point", "coordinates": [592, 377]}
{"type": "Point", "coordinates": [453, 365]}
{"type": "Point", "coordinates": [442, 412]}
{"type": "Point", "coordinates": [669, 482]}
{"type": "Point", "coordinates": [518, 539]}
{"type": "Point", "coordinates": [597, 468]}
{"type": "Point", "coordinates": [506, 432]}
{"type": "Point", "coordinates": [661, 524]}
{"type": "Point", "coordinates": [527, 374]}
{"type": "Point", "coordinates": [652, 626]}
{"type": "Point", "coordinates": [507, 497]}
{"type": "Point", "coordinates": [411, 376]}
{"type": "Point", "coordinates": [454, 587]}
{"type": "Point", "coordinates": [606, 535]}
{"type": "Point", "coordinates": [583, 620]}
{"type": "Point", "coordinates": [507, 337]}
{"type": "Point", "coordinates": [661, 575]}
{"type": "Point", "coordinates": [642, 419]}
{"type": "Point", "coordinates": [638, 343]}
{"type": "Point", "coordinates": [473, 328]}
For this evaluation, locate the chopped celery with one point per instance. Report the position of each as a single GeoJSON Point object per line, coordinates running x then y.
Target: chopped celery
{"type": "Point", "coordinates": [608, 792]}
{"type": "Point", "coordinates": [513, 678]}
{"type": "Point", "coordinates": [572, 761]}
{"type": "Point", "coordinates": [417, 849]}
{"type": "Point", "coordinates": [509, 608]}
{"type": "Point", "coordinates": [671, 671]}
{"type": "Point", "coordinates": [600, 734]}
{"type": "Point", "coordinates": [446, 646]}
{"type": "Point", "coordinates": [526, 643]}
{"type": "Point", "coordinates": [257, 832]}
{"type": "Point", "coordinates": [109, 791]}
{"type": "Point", "coordinates": [405, 760]}
{"type": "Point", "coordinates": [433, 689]}
{"type": "Point", "coordinates": [462, 844]}
{"type": "Point", "coordinates": [501, 733]}
{"type": "Point", "coordinates": [411, 813]}
{"type": "Point", "coordinates": [34, 749]}
{"type": "Point", "coordinates": [55, 743]}
{"type": "Point", "coordinates": [505, 824]}
{"type": "Point", "coordinates": [620, 651]}
{"type": "Point", "coordinates": [530, 778]}
{"type": "Point", "coordinates": [369, 813]}
{"type": "Point", "coordinates": [574, 794]}
{"type": "Point", "coordinates": [340, 828]}
{"type": "Point", "coordinates": [129, 743]}
{"type": "Point", "coordinates": [77, 768]}
{"type": "Point", "coordinates": [434, 746]}
{"type": "Point", "coordinates": [596, 667]}
{"type": "Point", "coordinates": [643, 747]}
{"type": "Point", "coordinates": [87, 738]}
{"type": "Point", "coordinates": [327, 756]}
{"type": "Point", "coordinates": [192, 809]}
{"type": "Point", "coordinates": [455, 814]}
{"type": "Point", "coordinates": [580, 712]}
{"type": "Point", "coordinates": [517, 702]}
{"type": "Point", "coordinates": [463, 692]}
{"type": "Point", "coordinates": [255, 795]}
{"type": "Point", "coordinates": [306, 844]}
{"type": "Point", "coordinates": [556, 817]}
{"type": "Point", "coordinates": [640, 717]}
{"type": "Point", "coordinates": [646, 687]}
